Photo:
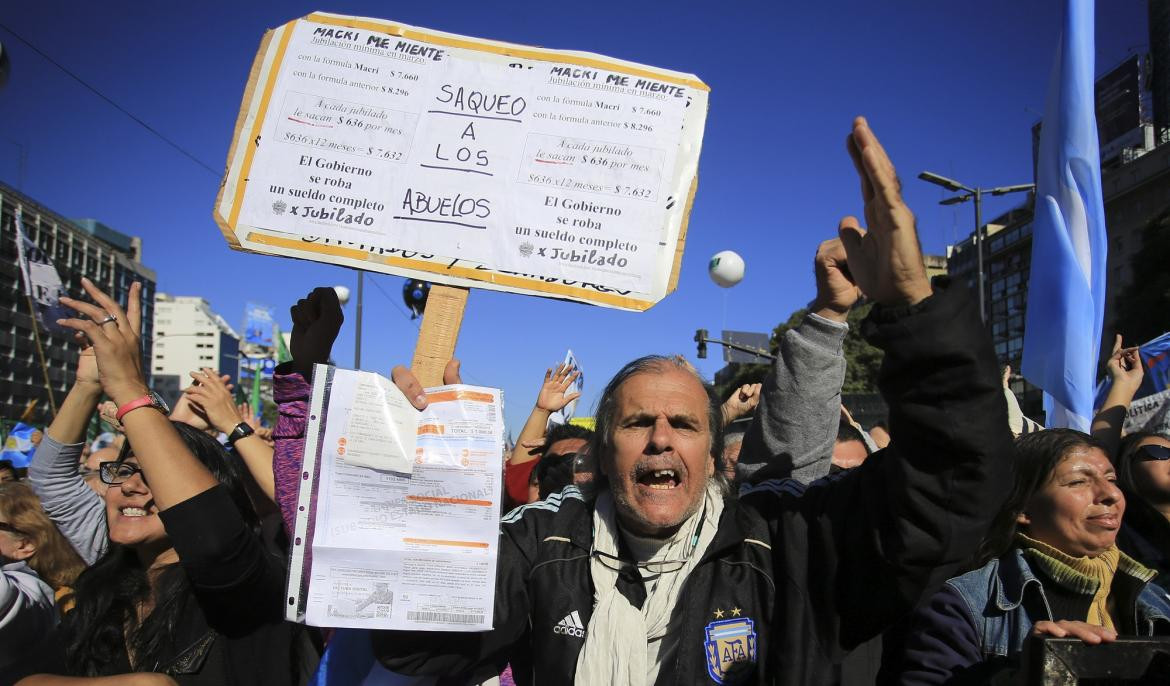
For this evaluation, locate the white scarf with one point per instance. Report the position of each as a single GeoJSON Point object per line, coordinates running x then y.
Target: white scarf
{"type": "Point", "coordinates": [625, 645]}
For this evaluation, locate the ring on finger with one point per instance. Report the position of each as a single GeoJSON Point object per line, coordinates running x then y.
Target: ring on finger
{"type": "Point", "coordinates": [109, 318]}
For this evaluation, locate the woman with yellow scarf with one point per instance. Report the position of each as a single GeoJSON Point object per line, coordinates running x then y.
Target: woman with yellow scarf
{"type": "Point", "coordinates": [1049, 566]}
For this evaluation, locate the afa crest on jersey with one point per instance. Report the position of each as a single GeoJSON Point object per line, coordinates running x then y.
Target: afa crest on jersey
{"type": "Point", "coordinates": [729, 641]}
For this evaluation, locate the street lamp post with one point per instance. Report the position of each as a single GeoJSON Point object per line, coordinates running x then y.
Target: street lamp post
{"type": "Point", "coordinates": [975, 194]}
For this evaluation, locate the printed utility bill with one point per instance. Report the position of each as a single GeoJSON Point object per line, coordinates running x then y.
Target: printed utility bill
{"type": "Point", "coordinates": [405, 527]}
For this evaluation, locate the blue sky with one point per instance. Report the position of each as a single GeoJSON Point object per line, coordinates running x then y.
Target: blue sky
{"type": "Point", "coordinates": [949, 87]}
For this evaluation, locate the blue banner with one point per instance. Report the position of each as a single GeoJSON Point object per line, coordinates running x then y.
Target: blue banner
{"type": "Point", "coordinates": [1155, 356]}
{"type": "Point", "coordinates": [258, 324]}
{"type": "Point", "coordinates": [249, 365]}
{"type": "Point", "coordinates": [18, 445]}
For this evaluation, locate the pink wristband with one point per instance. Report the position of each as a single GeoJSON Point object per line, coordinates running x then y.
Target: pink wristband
{"type": "Point", "coordinates": [144, 401]}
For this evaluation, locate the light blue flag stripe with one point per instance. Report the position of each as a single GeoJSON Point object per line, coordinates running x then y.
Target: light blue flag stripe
{"type": "Point", "coordinates": [1066, 292]}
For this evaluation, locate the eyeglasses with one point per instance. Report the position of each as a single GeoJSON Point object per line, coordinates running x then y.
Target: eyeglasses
{"type": "Point", "coordinates": [1154, 452]}
{"type": "Point", "coordinates": [655, 569]}
{"type": "Point", "coordinates": [5, 526]}
{"type": "Point", "coordinates": [114, 473]}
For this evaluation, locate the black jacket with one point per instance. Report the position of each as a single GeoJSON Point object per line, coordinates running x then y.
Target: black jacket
{"type": "Point", "coordinates": [795, 576]}
{"type": "Point", "coordinates": [231, 630]}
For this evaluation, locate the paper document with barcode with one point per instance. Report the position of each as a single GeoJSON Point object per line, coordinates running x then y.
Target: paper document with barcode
{"type": "Point", "coordinates": [394, 544]}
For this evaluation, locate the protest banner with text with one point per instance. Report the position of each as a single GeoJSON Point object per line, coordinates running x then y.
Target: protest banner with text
{"type": "Point", "coordinates": [466, 162]}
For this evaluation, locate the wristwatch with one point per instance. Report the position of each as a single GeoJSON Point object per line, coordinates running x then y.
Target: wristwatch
{"type": "Point", "coordinates": [242, 430]}
{"type": "Point", "coordinates": [151, 399]}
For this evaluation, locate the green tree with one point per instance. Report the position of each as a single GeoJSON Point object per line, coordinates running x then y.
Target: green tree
{"type": "Point", "coordinates": [1143, 310]}
{"type": "Point", "coordinates": [862, 360]}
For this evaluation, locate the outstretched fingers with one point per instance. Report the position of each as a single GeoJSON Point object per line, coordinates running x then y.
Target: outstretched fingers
{"type": "Point", "coordinates": [887, 188]}
{"type": "Point", "coordinates": [862, 175]}
{"type": "Point", "coordinates": [566, 377]}
{"type": "Point", "coordinates": [207, 376]}
{"type": "Point", "coordinates": [134, 308]}
{"type": "Point", "coordinates": [108, 304]}
{"type": "Point", "coordinates": [87, 309]}
{"type": "Point", "coordinates": [86, 328]}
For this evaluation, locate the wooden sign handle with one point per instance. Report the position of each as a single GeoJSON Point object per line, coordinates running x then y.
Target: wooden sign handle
{"type": "Point", "coordinates": [440, 330]}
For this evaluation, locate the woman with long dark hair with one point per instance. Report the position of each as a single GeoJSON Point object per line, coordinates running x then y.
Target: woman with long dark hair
{"type": "Point", "coordinates": [1143, 472]}
{"type": "Point", "coordinates": [1050, 566]}
{"type": "Point", "coordinates": [186, 588]}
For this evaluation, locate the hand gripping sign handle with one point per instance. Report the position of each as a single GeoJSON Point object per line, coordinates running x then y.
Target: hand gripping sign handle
{"type": "Point", "coordinates": [437, 336]}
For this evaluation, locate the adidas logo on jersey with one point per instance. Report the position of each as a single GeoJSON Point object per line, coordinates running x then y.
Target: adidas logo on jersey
{"type": "Point", "coordinates": [570, 625]}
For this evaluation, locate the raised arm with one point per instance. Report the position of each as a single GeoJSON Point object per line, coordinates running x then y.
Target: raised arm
{"type": "Point", "coordinates": [210, 396]}
{"type": "Point", "coordinates": [72, 505]}
{"type": "Point", "coordinates": [916, 511]}
{"type": "Point", "coordinates": [316, 320]}
{"type": "Point", "coordinates": [174, 474]}
{"type": "Point", "coordinates": [741, 402]}
{"type": "Point", "coordinates": [796, 423]}
{"type": "Point", "coordinates": [79, 405]}
{"type": "Point", "coordinates": [554, 396]}
{"type": "Point", "coordinates": [220, 554]}
{"type": "Point", "coordinates": [913, 513]}
{"type": "Point", "coordinates": [1126, 372]}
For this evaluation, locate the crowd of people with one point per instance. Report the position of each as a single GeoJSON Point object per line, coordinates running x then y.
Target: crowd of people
{"type": "Point", "coordinates": [764, 538]}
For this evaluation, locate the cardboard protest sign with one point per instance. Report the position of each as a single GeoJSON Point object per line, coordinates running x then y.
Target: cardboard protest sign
{"type": "Point", "coordinates": [466, 162]}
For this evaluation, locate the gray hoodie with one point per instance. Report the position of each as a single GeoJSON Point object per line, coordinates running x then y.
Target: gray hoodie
{"type": "Point", "coordinates": [27, 612]}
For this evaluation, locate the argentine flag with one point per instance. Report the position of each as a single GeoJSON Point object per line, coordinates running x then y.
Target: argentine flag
{"type": "Point", "coordinates": [1066, 292]}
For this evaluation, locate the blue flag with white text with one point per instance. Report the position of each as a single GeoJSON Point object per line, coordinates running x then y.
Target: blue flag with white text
{"type": "Point", "coordinates": [1066, 292]}
{"type": "Point", "coordinates": [1155, 358]}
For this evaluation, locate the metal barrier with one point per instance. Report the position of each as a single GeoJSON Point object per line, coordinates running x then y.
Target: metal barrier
{"type": "Point", "coordinates": [1071, 662]}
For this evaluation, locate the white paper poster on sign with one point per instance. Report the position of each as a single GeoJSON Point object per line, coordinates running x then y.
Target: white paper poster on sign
{"type": "Point", "coordinates": [463, 161]}
{"type": "Point", "coordinates": [562, 416]}
{"type": "Point", "coordinates": [412, 549]}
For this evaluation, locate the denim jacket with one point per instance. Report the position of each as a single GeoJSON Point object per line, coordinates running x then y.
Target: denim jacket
{"type": "Point", "coordinates": [977, 623]}
{"type": "Point", "coordinates": [1004, 626]}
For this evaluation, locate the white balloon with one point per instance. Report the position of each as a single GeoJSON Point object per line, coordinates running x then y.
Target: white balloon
{"type": "Point", "coordinates": [342, 294]}
{"type": "Point", "coordinates": [726, 268]}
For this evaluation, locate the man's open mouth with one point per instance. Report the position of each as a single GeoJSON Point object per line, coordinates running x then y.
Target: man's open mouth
{"type": "Point", "coordinates": [660, 479]}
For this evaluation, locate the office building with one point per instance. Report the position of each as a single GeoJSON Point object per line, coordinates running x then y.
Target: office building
{"type": "Point", "coordinates": [188, 336]}
{"type": "Point", "coordinates": [88, 248]}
